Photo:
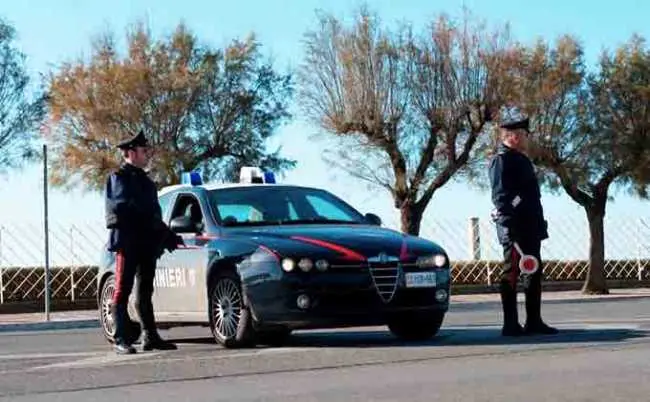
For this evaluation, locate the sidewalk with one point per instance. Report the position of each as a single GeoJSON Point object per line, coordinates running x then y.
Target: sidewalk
{"type": "Point", "coordinates": [58, 320]}
{"type": "Point", "coordinates": [89, 318]}
{"type": "Point", "coordinates": [573, 295]}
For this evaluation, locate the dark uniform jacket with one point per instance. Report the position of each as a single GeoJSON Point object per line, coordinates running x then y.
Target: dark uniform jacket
{"type": "Point", "coordinates": [518, 212]}
{"type": "Point", "coordinates": [133, 214]}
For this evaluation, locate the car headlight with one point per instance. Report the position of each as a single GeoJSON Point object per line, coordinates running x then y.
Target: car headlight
{"type": "Point", "coordinates": [432, 261]}
{"type": "Point", "coordinates": [304, 264]}
{"type": "Point", "coordinates": [322, 265]}
{"type": "Point", "coordinates": [288, 264]}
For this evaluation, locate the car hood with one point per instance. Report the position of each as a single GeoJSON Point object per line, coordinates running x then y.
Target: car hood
{"type": "Point", "coordinates": [347, 242]}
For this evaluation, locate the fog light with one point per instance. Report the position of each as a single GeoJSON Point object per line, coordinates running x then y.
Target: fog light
{"type": "Point", "coordinates": [303, 302]}
{"type": "Point", "coordinates": [441, 295]}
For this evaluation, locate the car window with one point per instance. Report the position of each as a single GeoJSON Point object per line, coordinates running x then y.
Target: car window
{"type": "Point", "coordinates": [242, 213]}
{"type": "Point", "coordinates": [188, 205]}
{"type": "Point", "coordinates": [165, 202]}
{"type": "Point", "coordinates": [239, 212]}
{"type": "Point", "coordinates": [279, 205]}
{"type": "Point", "coordinates": [327, 209]}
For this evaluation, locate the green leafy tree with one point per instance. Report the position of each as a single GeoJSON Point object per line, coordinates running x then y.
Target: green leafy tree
{"type": "Point", "coordinates": [591, 130]}
{"type": "Point", "coordinates": [202, 108]}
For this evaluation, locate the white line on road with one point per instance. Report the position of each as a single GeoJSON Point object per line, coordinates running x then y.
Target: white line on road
{"type": "Point", "coordinates": [103, 359]}
{"type": "Point", "coordinates": [110, 358]}
{"type": "Point", "coordinates": [35, 356]}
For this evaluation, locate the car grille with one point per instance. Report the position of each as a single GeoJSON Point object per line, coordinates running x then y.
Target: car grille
{"type": "Point", "coordinates": [361, 268]}
{"type": "Point", "coordinates": [385, 279]}
{"type": "Point", "coordinates": [385, 272]}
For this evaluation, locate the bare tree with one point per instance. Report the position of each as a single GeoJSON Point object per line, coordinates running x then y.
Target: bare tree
{"type": "Point", "coordinates": [410, 111]}
{"type": "Point", "coordinates": [20, 116]}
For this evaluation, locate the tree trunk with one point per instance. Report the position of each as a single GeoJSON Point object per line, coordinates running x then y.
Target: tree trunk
{"type": "Point", "coordinates": [411, 218]}
{"type": "Point", "coordinates": [595, 281]}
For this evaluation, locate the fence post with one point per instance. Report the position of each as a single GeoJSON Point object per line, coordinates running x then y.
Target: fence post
{"type": "Point", "coordinates": [2, 284]}
{"type": "Point", "coordinates": [72, 285]}
{"type": "Point", "coordinates": [47, 238]}
{"type": "Point", "coordinates": [640, 250]}
{"type": "Point", "coordinates": [474, 238]}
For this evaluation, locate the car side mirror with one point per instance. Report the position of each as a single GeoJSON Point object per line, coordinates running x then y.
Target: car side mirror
{"type": "Point", "coordinates": [373, 219]}
{"type": "Point", "coordinates": [183, 224]}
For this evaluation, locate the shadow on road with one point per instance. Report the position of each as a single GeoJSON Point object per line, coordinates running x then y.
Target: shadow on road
{"type": "Point", "coordinates": [446, 337]}
{"type": "Point", "coordinates": [462, 337]}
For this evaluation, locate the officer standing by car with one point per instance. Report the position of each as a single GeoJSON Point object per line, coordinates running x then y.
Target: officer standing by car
{"type": "Point", "coordinates": [519, 218]}
{"type": "Point", "coordinates": [138, 236]}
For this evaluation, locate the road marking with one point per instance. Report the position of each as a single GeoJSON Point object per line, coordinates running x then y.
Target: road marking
{"type": "Point", "coordinates": [103, 359]}
{"type": "Point", "coordinates": [35, 356]}
{"type": "Point", "coordinates": [110, 358]}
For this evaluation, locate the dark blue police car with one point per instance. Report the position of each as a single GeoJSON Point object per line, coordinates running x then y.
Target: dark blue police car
{"type": "Point", "coordinates": [262, 259]}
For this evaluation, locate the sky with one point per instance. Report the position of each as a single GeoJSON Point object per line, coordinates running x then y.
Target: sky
{"type": "Point", "coordinates": [50, 32]}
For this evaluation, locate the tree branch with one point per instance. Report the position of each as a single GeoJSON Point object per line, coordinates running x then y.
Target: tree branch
{"type": "Point", "coordinates": [426, 158]}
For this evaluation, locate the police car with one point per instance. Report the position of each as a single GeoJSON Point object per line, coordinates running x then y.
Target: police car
{"type": "Point", "coordinates": [262, 259]}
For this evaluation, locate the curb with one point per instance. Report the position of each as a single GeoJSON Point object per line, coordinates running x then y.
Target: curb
{"type": "Point", "coordinates": [482, 304]}
{"type": "Point", "coordinates": [49, 326]}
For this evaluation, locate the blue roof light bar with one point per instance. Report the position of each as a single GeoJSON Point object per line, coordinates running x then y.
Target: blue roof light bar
{"type": "Point", "coordinates": [191, 178]}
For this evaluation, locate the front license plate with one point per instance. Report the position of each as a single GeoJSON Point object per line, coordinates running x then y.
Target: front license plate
{"type": "Point", "coordinates": [420, 279]}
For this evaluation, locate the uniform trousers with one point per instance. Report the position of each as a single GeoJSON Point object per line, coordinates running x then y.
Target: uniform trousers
{"type": "Point", "coordinates": [129, 264]}
{"type": "Point", "coordinates": [509, 278]}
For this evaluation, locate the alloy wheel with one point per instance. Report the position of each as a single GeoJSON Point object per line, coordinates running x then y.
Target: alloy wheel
{"type": "Point", "coordinates": [227, 308]}
{"type": "Point", "coordinates": [107, 317]}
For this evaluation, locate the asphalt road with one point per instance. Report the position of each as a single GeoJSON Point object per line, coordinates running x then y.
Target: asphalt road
{"type": "Point", "coordinates": [602, 354]}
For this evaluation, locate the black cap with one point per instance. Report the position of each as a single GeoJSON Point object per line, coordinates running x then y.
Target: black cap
{"type": "Point", "coordinates": [514, 124]}
{"type": "Point", "coordinates": [139, 140]}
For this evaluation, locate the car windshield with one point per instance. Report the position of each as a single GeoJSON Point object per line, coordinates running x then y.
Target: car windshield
{"type": "Point", "coordinates": [278, 205]}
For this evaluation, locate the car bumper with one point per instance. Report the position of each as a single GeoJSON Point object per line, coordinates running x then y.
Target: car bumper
{"type": "Point", "coordinates": [336, 300]}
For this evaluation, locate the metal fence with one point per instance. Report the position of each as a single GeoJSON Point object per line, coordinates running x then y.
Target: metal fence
{"type": "Point", "coordinates": [74, 250]}
{"type": "Point", "coordinates": [75, 247]}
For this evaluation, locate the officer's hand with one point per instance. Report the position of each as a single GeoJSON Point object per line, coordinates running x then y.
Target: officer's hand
{"type": "Point", "coordinates": [179, 241]}
{"type": "Point", "coordinates": [173, 241]}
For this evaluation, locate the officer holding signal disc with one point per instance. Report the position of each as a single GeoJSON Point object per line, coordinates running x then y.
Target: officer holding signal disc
{"type": "Point", "coordinates": [521, 226]}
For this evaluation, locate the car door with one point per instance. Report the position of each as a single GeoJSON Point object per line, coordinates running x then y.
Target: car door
{"type": "Point", "coordinates": [179, 286]}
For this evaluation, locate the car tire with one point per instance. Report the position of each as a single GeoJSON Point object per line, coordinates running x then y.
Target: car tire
{"type": "Point", "coordinates": [416, 326]}
{"type": "Point", "coordinates": [231, 320]}
{"type": "Point", "coordinates": [273, 336]}
{"type": "Point", "coordinates": [106, 319]}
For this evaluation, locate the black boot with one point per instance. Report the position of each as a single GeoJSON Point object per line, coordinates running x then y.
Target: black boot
{"type": "Point", "coordinates": [122, 343]}
{"type": "Point", "coordinates": [511, 325]}
{"type": "Point", "coordinates": [534, 322]}
{"type": "Point", "coordinates": [153, 341]}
